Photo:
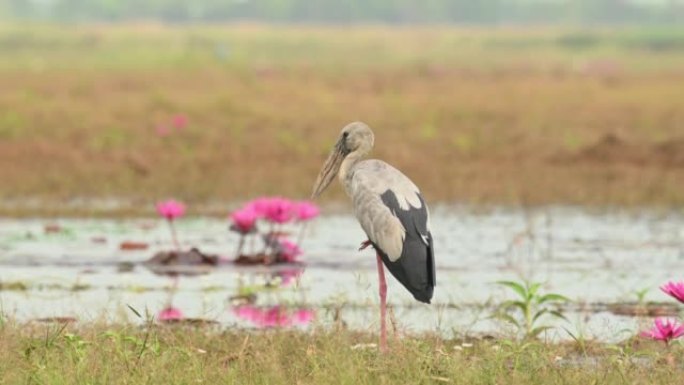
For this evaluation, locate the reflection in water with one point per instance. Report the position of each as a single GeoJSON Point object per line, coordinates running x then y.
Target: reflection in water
{"type": "Point", "coordinates": [274, 316]}
{"type": "Point", "coordinates": [170, 313]}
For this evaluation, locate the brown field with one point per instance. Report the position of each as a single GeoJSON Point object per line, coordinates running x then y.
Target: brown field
{"type": "Point", "coordinates": [473, 116]}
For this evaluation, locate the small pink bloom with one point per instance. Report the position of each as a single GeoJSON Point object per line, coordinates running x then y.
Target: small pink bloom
{"type": "Point", "coordinates": [247, 312]}
{"type": "Point", "coordinates": [276, 316]}
{"type": "Point", "coordinates": [244, 219]}
{"type": "Point", "coordinates": [303, 316]}
{"type": "Point", "coordinates": [171, 209]}
{"type": "Point", "coordinates": [674, 289]}
{"type": "Point", "coordinates": [170, 314]}
{"type": "Point", "coordinates": [180, 121]}
{"type": "Point", "coordinates": [274, 209]}
{"type": "Point", "coordinates": [162, 130]}
{"type": "Point", "coordinates": [259, 206]}
{"type": "Point", "coordinates": [664, 330]}
{"type": "Point", "coordinates": [306, 210]}
{"type": "Point", "coordinates": [279, 210]}
{"type": "Point", "coordinates": [289, 251]}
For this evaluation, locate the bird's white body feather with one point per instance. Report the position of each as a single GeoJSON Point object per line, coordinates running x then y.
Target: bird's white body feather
{"type": "Point", "coordinates": [365, 181]}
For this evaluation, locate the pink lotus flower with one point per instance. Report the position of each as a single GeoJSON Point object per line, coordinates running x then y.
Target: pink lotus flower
{"type": "Point", "coordinates": [288, 251]}
{"type": "Point", "coordinates": [275, 316]}
{"type": "Point", "coordinates": [275, 209]}
{"type": "Point", "coordinates": [171, 209]}
{"type": "Point", "coordinates": [170, 314]}
{"type": "Point", "coordinates": [306, 210]}
{"type": "Point", "coordinates": [303, 316]}
{"type": "Point", "coordinates": [247, 312]}
{"type": "Point", "coordinates": [664, 330]}
{"type": "Point", "coordinates": [674, 289]}
{"type": "Point", "coordinates": [180, 121]}
{"type": "Point", "coordinates": [162, 130]}
{"type": "Point", "coordinates": [244, 219]}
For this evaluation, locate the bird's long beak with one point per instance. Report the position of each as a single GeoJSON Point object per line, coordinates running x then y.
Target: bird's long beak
{"type": "Point", "coordinates": [330, 169]}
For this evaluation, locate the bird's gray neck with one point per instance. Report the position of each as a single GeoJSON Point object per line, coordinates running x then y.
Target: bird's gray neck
{"type": "Point", "coordinates": [348, 164]}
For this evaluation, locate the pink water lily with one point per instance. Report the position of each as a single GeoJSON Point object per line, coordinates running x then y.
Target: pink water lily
{"type": "Point", "coordinates": [664, 330]}
{"type": "Point", "coordinates": [303, 316]}
{"type": "Point", "coordinates": [171, 209]}
{"type": "Point", "coordinates": [170, 314]}
{"type": "Point", "coordinates": [273, 316]}
{"type": "Point", "coordinates": [305, 210]}
{"type": "Point", "coordinates": [674, 289]}
{"type": "Point", "coordinates": [244, 219]}
{"type": "Point", "coordinates": [180, 121]}
{"type": "Point", "coordinates": [162, 130]}
{"type": "Point", "coordinates": [288, 251]}
{"type": "Point", "coordinates": [274, 209]}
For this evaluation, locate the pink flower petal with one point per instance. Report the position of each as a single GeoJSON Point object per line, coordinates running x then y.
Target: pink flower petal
{"type": "Point", "coordinates": [171, 209]}
{"type": "Point", "coordinates": [162, 130]}
{"type": "Point", "coordinates": [306, 210]}
{"type": "Point", "coordinates": [244, 219]}
{"type": "Point", "coordinates": [170, 314]}
{"type": "Point", "coordinates": [675, 290]}
{"type": "Point", "coordinates": [289, 251]}
{"type": "Point", "coordinates": [180, 121]}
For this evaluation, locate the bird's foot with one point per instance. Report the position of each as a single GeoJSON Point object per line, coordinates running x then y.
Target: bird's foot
{"type": "Point", "coordinates": [365, 244]}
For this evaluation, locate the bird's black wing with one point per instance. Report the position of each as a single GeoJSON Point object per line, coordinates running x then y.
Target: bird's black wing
{"type": "Point", "coordinates": [415, 268]}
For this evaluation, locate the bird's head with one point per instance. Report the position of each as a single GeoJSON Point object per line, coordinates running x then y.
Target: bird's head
{"type": "Point", "coordinates": [355, 138]}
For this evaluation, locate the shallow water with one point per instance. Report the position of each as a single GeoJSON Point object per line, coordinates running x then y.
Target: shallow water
{"type": "Point", "coordinates": [593, 258]}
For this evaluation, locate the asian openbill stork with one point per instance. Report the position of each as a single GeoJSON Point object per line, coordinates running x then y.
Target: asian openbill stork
{"type": "Point", "coordinates": [391, 211]}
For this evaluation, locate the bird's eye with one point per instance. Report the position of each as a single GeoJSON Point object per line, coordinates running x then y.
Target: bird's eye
{"type": "Point", "coordinates": [345, 135]}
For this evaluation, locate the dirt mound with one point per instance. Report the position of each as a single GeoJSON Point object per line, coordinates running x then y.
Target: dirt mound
{"type": "Point", "coordinates": [611, 149]}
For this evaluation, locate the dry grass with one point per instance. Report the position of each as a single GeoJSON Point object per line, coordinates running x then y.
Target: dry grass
{"type": "Point", "coordinates": [103, 354]}
{"type": "Point", "coordinates": [472, 116]}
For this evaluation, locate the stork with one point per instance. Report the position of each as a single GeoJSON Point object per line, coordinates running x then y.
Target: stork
{"type": "Point", "coordinates": [391, 211]}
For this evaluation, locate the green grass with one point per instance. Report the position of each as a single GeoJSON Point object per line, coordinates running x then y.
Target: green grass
{"type": "Point", "coordinates": [104, 354]}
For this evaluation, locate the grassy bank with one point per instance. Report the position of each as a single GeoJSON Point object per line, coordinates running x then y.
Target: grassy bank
{"type": "Point", "coordinates": [102, 354]}
{"type": "Point", "coordinates": [506, 116]}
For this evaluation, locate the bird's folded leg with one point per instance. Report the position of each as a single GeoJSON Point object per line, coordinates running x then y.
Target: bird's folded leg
{"type": "Point", "coordinates": [365, 244]}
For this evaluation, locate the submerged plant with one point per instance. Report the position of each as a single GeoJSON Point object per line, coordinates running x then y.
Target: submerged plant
{"type": "Point", "coordinates": [525, 312]}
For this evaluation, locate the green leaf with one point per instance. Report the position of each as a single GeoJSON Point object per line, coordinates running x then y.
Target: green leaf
{"type": "Point", "coordinates": [134, 311]}
{"type": "Point", "coordinates": [519, 304]}
{"type": "Point", "coordinates": [532, 289]}
{"type": "Point", "coordinates": [535, 332]}
{"type": "Point", "coordinates": [507, 318]}
{"type": "Point", "coordinates": [571, 334]}
{"type": "Point", "coordinates": [518, 288]}
{"type": "Point", "coordinates": [539, 314]}
{"type": "Point", "coordinates": [558, 314]}
{"type": "Point", "coordinates": [553, 297]}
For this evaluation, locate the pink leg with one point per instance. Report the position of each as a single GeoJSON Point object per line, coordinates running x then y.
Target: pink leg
{"type": "Point", "coordinates": [383, 305]}
{"type": "Point", "coordinates": [364, 244]}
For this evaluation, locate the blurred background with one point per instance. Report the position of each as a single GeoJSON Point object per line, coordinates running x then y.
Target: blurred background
{"type": "Point", "coordinates": [106, 106]}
